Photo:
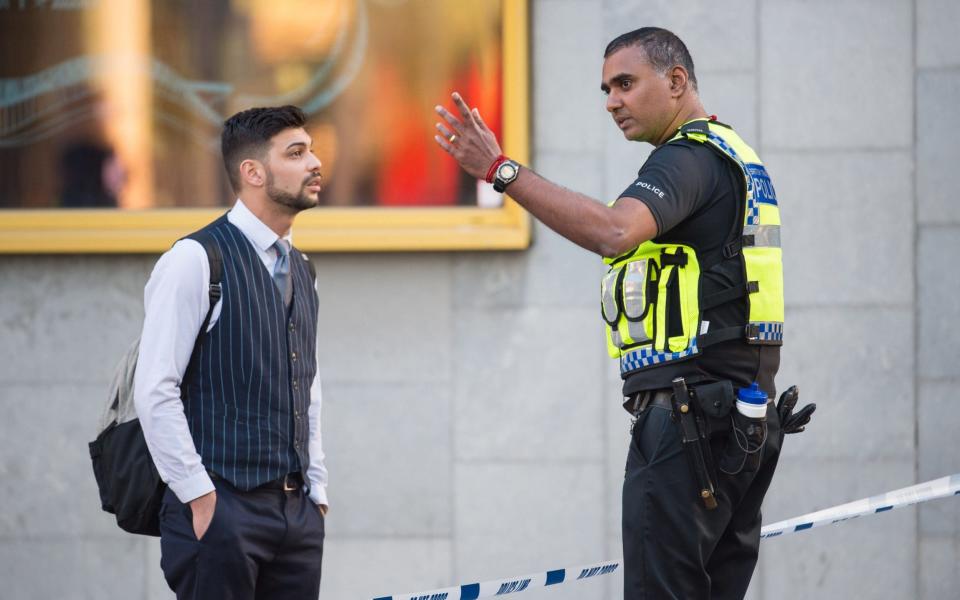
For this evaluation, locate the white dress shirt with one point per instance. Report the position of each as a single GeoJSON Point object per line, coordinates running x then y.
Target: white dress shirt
{"type": "Point", "coordinates": [176, 300]}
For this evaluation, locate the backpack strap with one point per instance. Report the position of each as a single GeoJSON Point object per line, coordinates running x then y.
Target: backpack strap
{"type": "Point", "coordinates": [310, 266]}
{"type": "Point", "coordinates": [205, 238]}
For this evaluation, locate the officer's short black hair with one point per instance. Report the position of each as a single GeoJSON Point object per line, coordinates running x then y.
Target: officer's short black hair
{"type": "Point", "coordinates": [663, 48]}
{"type": "Point", "coordinates": [247, 135]}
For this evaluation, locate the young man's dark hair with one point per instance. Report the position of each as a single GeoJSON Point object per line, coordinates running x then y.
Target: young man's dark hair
{"type": "Point", "coordinates": [664, 50]}
{"type": "Point", "coordinates": [247, 134]}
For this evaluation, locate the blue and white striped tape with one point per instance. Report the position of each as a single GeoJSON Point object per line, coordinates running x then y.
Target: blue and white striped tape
{"type": "Point", "coordinates": [502, 587]}
{"type": "Point", "coordinates": [915, 494]}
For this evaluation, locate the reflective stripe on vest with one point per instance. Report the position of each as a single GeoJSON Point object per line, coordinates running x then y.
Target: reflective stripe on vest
{"type": "Point", "coordinates": [765, 332]}
{"type": "Point", "coordinates": [635, 360]}
{"type": "Point", "coordinates": [767, 236]}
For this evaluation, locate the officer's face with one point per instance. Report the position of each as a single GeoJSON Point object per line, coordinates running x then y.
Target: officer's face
{"type": "Point", "coordinates": [638, 98]}
{"type": "Point", "coordinates": [293, 170]}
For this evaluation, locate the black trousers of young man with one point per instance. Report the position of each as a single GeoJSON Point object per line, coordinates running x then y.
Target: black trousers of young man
{"type": "Point", "coordinates": [673, 546]}
{"type": "Point", "coordinates": [264, 544]}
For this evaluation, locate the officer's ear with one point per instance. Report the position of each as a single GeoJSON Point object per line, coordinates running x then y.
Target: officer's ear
{"type": "Point", "coordinates": [678, 80]}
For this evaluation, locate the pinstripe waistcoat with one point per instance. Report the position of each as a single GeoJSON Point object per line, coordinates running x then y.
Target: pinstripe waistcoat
{"type": "Point", "coordinates": [247, 390]}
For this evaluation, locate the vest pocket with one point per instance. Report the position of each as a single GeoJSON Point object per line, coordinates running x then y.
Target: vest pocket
{"type": "Point", "coordinates": [635, 305]}
{"type": "Point", "coordinates": [678, 312]}
{"type": "Point", "coordinates": [628, 295]}
{"type": "Point", "coordinates": [609, 299]}
{"type": "Point", "coordinates": [610, 310]}
{"type": "Point", "coordinates": [637, 300]}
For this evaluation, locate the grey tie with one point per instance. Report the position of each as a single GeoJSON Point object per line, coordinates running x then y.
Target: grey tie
{"type": "Point", "coordinates": [281, 271]}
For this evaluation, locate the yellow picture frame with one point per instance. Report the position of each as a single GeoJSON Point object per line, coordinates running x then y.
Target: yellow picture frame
{"type": "Point", "coordinates": [367, 229]}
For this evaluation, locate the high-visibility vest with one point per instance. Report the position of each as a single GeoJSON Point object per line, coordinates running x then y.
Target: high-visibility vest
{"type": "Point", "coordinates": [636, 292]}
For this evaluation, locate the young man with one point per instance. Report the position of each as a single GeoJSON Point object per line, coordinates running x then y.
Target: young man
{"type": "Point", "coordinates": [693, 291]}
{"type": "Point", "coordinates": [231, 414]}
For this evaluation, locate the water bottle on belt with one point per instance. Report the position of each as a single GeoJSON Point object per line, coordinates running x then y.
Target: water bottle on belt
{"type": "Point", "coordinates": [749, 431]}
{"type": "Point", "coordinates": [752, 402]}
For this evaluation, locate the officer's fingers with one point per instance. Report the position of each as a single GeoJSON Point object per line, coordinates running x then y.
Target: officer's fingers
{"type": "Point", "coordinates": [444, 131]}
{"type": "Point", "coordinates": [462, 107]}
{"type": "Point", "coordinates": [479, 120]}
{"type": "Point", "coordinates": [455, 123]}
{"type": "Point", "coordinates": [443, 143]}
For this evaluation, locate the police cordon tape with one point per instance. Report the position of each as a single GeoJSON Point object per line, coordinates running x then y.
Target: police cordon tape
{"type": "Point", "coordinates": [489, 589]}
{"type": "Point", "coordinates": [915, 494]}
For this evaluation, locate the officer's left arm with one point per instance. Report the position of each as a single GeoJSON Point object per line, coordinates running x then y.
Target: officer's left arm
{"type": "Point", "coordinates": [605, 230]}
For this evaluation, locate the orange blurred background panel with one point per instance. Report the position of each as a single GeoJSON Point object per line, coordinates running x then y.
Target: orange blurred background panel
{"type": "Point", "coordinates": [130, 115]}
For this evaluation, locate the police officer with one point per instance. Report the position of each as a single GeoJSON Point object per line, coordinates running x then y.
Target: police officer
{"type": "Point", "coordinates": [693, 294]}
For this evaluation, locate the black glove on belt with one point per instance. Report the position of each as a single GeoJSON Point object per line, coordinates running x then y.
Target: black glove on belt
{"type": "Point", "coordinates": [790, 422]}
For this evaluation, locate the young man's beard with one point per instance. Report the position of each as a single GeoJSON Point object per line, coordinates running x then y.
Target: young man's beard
{"type": "Point", "coordinates": [295, 202]}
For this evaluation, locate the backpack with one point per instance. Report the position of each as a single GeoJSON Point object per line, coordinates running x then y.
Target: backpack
{"type": "Point", "coordinates": [129, 484]}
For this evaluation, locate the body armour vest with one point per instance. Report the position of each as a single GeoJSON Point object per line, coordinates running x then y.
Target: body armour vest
{"type": "Point", "coordinates": [642, 286]}
{"type": "Point", "coordinates": [247, 389]}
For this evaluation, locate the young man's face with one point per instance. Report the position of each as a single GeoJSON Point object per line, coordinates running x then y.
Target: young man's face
{"type": "Point", "coordinates": [293, 171]}
{"type": "Point", "coordinates": [638, 98]}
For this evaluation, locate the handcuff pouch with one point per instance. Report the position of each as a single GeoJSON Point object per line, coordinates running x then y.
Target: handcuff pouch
{"type": "Point", "coordinates": [715, 399]}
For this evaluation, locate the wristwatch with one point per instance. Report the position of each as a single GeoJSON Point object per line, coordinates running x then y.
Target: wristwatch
{"type": "Point", "coordinates": [505, 174]}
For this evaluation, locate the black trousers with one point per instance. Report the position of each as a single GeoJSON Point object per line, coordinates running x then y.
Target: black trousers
{"type": "Point", "coordinates": [262, 544]}
{"type": "Point", "coordinates": [673, 547]}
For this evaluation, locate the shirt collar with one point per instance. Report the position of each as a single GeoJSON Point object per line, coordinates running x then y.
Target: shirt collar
{"type": "Point", "coordinates": [253, 228]}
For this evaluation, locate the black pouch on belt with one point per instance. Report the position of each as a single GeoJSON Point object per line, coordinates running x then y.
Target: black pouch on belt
{"type": "Point", "coordinates": [715, 401]}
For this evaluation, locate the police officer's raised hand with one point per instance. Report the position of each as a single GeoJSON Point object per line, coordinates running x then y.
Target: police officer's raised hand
{"type": "Point", "coordinates": [467, 138]}
{"type": "Point", "coordinates": [608, 231]}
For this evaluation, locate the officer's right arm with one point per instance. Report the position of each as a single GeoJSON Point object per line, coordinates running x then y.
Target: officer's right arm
{"type": "Point", "coordinates": [606, 230]}
{"type": "Point", "coordinates": [175, 301]}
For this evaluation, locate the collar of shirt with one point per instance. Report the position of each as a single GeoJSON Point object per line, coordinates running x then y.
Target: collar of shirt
{"type": "Point", "coordinates": [256, 231]}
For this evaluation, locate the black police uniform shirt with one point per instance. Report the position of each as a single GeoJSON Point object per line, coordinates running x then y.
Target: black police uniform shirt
{"type": "Point", "coordinates": [696, 197]}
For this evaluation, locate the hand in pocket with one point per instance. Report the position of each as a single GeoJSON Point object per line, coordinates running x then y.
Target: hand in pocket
{"type": "Point", "coordinates": [202, 509]}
